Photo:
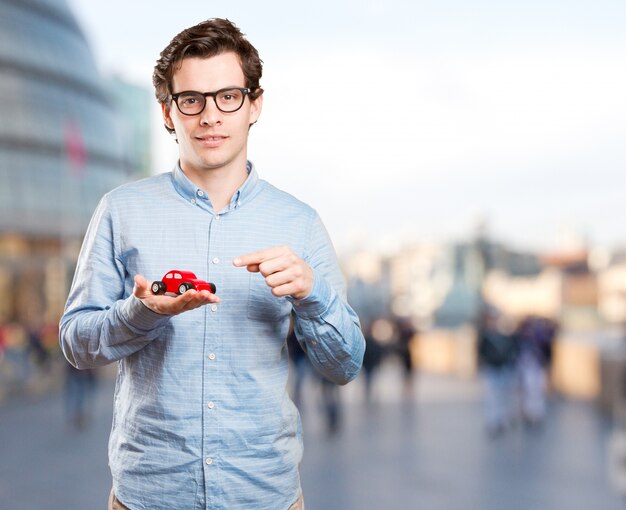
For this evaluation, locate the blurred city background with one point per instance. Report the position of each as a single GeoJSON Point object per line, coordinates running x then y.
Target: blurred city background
{"type": "Point", "coordinates": [468, 161]}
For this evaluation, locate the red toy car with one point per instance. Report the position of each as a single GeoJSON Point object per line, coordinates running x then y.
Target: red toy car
{"type": "Point", "coordinates": [179, 282]}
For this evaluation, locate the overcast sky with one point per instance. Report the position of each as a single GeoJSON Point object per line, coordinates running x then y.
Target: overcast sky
{"type": "Point", "coordinates": [414, 120]}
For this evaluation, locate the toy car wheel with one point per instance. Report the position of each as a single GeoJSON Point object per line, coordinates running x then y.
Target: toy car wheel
{"type": "Point", "coordinates": [184, 287]}
{"type": "Point", "coordinates": [158, 287]}
{"type": "Point", "coordinates": [212, 288]}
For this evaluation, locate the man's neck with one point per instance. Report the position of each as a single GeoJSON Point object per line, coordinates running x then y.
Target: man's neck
{"type": "Point", "coordinates": [220, 184]}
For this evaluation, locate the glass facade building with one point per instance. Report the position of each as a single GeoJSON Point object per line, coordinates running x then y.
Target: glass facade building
{"type": "Point", "coordinates": [59, 144]}
{"type": "Point", "coordinates": [63, 144]}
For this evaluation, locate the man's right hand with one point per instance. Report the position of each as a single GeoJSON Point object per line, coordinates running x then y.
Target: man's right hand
{"type": "Point", "coordinates": [169, 305]}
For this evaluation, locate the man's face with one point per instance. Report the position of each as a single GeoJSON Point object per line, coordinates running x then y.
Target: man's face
{"type": "Point", "coordinates": [212, 139]}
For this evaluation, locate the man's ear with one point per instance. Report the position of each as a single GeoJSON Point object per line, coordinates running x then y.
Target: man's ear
{"type": "Point", "coordinates": [167, 118]}
{"type": "Point", "coordinates": [255, 109]}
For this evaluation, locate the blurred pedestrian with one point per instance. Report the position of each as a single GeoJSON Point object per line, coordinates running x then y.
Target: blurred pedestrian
{"type": "Point", "coordinates": [330, 402]}
{"type": "Point", "coordinates": [2, 342]}
{"type": "Point", "coordinates": [497, 354]}
{"type": "Point", "coordinates": [79, 392]}
{"type": "Point", "coordinates": [331, 405]}
{"type": "Point", "coordinates": [17, 352]}
{"type": "Point", "coordinates": [374, 354]}
{"type": "Point", "coordinates": [37, 350]}
{"type": "Point", "coordinates": [300, 365]}
{"type": "Point", "coordinates": [406, 338]}
{"type": "Point", "coordinates": [535, 338]}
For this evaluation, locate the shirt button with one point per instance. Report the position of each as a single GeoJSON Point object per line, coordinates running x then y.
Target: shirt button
{"type": "Point", "coordinates": [214, 308]}
{"type": "Point", "coordinates": [216, 260]}
{"type": "Point", "coordinates": [210, 405]}
{"type": "Point", "coordinates": [193, 201]}
{"type": "Point", "coordinates": [217, 216]}
{"type": "Point", "coordinates": [200, 193]}
{"type": "Point", "coordinates": [211, 356]}
{"type": "Point", "coordinates": [209, 461]}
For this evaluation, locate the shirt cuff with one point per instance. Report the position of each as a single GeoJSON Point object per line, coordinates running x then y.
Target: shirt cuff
{"type": "Point", "coordinates": [139, 317]}
{"type": "Point", "coordinates": [317, 302]}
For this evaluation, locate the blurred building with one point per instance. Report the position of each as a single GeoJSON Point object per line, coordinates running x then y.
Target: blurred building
{"type": "Point", "coordinates": [438, 285]}
{"type": "Point", "coordinates": [367, 275]}
{"type": "Point", "coordinates": [132, 113]}
{"type": "Point", "coordinates": [65, 140]}
{"type": "Point", "coordinates": [612, 288]}
{"type": "Point", "coordinates": [442, 288]}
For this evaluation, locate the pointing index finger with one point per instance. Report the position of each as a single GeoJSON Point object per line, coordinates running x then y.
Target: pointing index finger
{"type": "Point", "coordinates": [255, 258]}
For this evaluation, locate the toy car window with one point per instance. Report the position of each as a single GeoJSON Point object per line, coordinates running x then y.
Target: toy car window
{"type": "Point", "coordinates": [168, 276]}
{"type": "Point", "coordinates": [178, 276]}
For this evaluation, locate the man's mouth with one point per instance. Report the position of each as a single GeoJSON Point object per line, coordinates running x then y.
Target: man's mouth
{"type": "Point", "coordinates": [211, 141]}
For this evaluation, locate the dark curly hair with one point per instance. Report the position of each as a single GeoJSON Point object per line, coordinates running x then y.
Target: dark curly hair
{"type": "Point", "coordinates": [207, 39]}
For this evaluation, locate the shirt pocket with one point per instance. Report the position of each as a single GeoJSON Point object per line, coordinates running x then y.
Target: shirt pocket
{"type": "Point", "coordinates": [262, 304]}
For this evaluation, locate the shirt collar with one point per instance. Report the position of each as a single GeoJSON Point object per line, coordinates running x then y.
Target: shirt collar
{"type": "Point", "coordinates": [185, 188]}
{"type": "Point", "coordinates": [248, 189]}
{"type": "Point", "coordinates": [189, 191]}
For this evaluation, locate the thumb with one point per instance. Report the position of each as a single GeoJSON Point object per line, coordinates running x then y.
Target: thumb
{"type": "Point", "coordinates": [141, 286]}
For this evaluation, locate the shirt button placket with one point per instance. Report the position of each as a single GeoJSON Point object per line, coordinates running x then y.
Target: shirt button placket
{"type": "Point", "coordinates": [211, 407]}
{"type": "Point", "coordinates": [212, 370]}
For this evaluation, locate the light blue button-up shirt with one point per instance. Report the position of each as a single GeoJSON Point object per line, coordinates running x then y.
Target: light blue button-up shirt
{"type": "Point", "coordinates": [202, 418]}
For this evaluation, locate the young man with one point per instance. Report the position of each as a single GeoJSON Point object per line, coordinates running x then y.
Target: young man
{"type": "Point", "coordinates": [202, 418]}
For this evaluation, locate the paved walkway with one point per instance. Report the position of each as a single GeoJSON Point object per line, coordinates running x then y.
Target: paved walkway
{"type": "Point", "coordinates": [429, 452]}
{"type": "Point", "coordinates": [432, 453]}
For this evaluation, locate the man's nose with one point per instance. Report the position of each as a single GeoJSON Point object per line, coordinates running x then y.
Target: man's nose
{"type": "Point", "coordinates": [211, 114]}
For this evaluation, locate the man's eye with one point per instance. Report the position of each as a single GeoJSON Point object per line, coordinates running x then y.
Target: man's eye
{"type": "Point", "coordinates": [190, 100]}
{"type": "Point", "coordinates": [230, 96]}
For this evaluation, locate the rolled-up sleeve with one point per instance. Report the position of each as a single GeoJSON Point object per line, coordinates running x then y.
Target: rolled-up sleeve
{"type": "Point", "coordinates": [101, 322]}
{"type": "Point", "coordinates": [325, 324]}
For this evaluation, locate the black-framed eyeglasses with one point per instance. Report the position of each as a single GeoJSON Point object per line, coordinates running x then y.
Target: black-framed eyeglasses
{"type": "Point", "coordinates": [227, 100]}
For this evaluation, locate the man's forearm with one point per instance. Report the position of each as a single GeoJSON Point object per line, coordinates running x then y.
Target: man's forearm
{"type": "Point", "coordinates": [330, 332]}
{"type": "Point", "coordinates": [96, 337]}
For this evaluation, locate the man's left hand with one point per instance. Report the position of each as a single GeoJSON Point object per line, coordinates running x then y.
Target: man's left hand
{"type": "Point", "coordinates": [285, 272]}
